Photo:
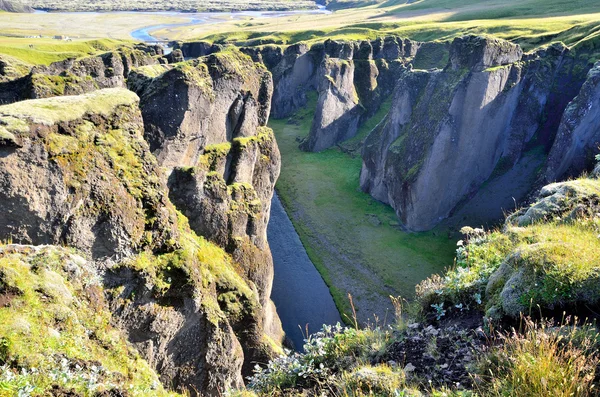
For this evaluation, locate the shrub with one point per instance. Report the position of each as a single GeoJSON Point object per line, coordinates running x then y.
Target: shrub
{"type": "Point", "coordinates": [327, 354]}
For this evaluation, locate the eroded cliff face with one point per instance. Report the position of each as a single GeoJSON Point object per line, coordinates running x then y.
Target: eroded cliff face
{"type": "Point", "coordinates": [578, 138]}
{"type": "Point", "coordinates": [449, 130]}
{"type": "Point", "coordinates": [74, 76]}
{"type": "Point", "coordinates": [72, 172]}
{"type": "Point", "coordinates": [77, 171]}
{"type": "Point", "coordinates": [205, 121]}
{"type": "Point", "coordinates": [351, 79]}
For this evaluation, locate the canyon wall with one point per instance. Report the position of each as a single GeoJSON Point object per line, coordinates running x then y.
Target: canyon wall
{"type": "Point", "coordinates": [205, 121]}
{"type": "Point", "coordinates": [19, 82]}
{"type": "Point", "coordinates": [131, 183]}
{"type": "Point", "coordinates": [461, 113]}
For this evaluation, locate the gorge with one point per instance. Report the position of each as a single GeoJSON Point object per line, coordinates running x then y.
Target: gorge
{"type": "Point", "coordinates": [138, 193]}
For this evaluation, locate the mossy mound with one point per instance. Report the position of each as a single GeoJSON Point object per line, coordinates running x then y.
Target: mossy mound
{"type": "Point", "coordinates": [12, 68]}
{"type": "Point", "coordinates": [544, 261]}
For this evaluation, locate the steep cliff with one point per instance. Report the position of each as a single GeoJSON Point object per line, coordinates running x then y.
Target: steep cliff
{"type": "Point", "coordinates": [352, 79]}
{"type": "Point", "coordinates": [578, 137]}
{"type": "Point", "coordinates": [205, 122]}
{"type": "Point", "coordinates": [75, 76]}
{"type": "Point", "coordinates": [449, 130]}
{"type": "Point", "coordinates": [77, 171]}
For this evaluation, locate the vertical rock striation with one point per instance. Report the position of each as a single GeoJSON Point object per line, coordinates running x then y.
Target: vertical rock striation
{"type": "Point", "coordinates": [578, 138]}
{"type": "Point", "coordinates": [448, 130]}
{"type": "Point", "coordinates": [205, 121]}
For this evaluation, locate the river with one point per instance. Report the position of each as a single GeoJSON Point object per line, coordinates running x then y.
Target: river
{"type": "Point", "coordinates": [299, 292]}
{"type": "Point", "coordinates": [203, 18]}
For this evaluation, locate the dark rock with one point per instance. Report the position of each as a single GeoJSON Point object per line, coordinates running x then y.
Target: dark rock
{"type": "Point", "coordinates": [175, 56]}
{"type": "Point", "coordinates": [424, 150]}
{"type": "Point", "coordinates": [205, 122]}
{"type": "Point", "coordinates": [578, 138]}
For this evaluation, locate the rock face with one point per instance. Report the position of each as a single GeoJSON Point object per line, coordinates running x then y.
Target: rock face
{"type": "Point", "coordinates": [578, 137]}
{"type": "Point", "coordinates": [338, 112]}
{"type": "Point", "coordinates": [75, 77]}
{"type": "Point", "coordinates": [448, 130]}
{"type": "Point", "coordinates": [200, 103]}
{"type": "Point", "coordinates": [205, 121]}
{"type": "Point", "coordinates": [65, 180]}
{"type": "Point", "coordinates": [15, 6]}
{"type": "Point", "coordinates": [77, 171]}
{"type": "Point", "coordinates": [351, 80]}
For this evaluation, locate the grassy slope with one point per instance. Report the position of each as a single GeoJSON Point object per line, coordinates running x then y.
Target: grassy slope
{"type": "Point", "coordinates": [353, 240]}
{"type": "Point", "coordinates": [46, 51]}
{"type": "Point", "coordinates": [530, 23]}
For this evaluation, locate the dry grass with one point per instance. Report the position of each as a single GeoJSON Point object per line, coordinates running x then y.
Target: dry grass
{"type": "Point", "coordinates": [542, 360]}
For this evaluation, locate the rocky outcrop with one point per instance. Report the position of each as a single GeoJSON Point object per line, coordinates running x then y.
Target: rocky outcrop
{"type": "Point", "coordinates": [201, 102]}
{"type": "Point", "coordinates": [449, 130]}
{"type": "Point", "coordinates": [15, 6]}
{"type": "Point", "coordinates": [79, 76]}
{"type": "Point", "coordinates": [71, 173]}
{"type": "Point", "coordinates": [77, 171]}
{"type": "Point", "coordinates": [338, 111]}
{"type": "Point", "coordinates": [12, 69]}
{"type": "Point", "coordinates": [352, 79]}
{"type": "Point", "coordinates": [578, 138]}
{"type": "Point", "coordinates": [205, 122]}
{"type": "Point", "coordinates": [196, 49]}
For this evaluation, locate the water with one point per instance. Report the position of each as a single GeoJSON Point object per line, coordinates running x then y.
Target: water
{"type": "Point", "coordinates": [204, 18]}
{"type": "Point", "coordinates": [299, 292]}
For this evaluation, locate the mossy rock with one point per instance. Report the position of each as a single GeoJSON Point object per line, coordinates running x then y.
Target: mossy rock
{"type": "Point", "coordinates": [56, 328]}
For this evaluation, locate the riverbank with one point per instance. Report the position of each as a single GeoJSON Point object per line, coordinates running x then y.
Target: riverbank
{"type": "Point", "coordinates": [301, 296]}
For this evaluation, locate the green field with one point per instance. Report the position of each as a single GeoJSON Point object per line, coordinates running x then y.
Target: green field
{"type": "Point", "coordinates": [46, 51]}
{"type": "Point", "coordinates": [355, 241]}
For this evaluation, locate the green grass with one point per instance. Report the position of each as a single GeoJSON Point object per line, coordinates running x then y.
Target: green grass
{"type": "Point", "coordinates": [47, 51]}
{"type": "Point", "coordinates": [548, 264]}
{"type": "Point", "coordinates": [339, 224]}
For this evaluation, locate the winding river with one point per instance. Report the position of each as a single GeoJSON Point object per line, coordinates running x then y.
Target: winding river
{"type": "Point", "coordinates": [299, 292]}
{"type": "Point", "coordinates": [203, 18]}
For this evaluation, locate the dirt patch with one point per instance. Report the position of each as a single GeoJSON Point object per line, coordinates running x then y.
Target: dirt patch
{"type": "Point", "coordinates": [439, 357]}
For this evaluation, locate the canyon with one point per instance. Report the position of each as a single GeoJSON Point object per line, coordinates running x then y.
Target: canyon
{"type": "Point", "coordinates": [160, 171]}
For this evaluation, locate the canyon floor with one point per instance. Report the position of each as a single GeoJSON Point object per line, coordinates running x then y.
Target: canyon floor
{"type": "Point", "coordinates": [355, 241]}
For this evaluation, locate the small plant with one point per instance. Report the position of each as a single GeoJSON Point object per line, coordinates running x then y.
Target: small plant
{"type": "Point", "coordinates": [439, 310]}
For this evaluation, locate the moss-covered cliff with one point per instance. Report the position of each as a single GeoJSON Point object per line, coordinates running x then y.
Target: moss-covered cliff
{"type": "Point", "coordinates": [76, 171]}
